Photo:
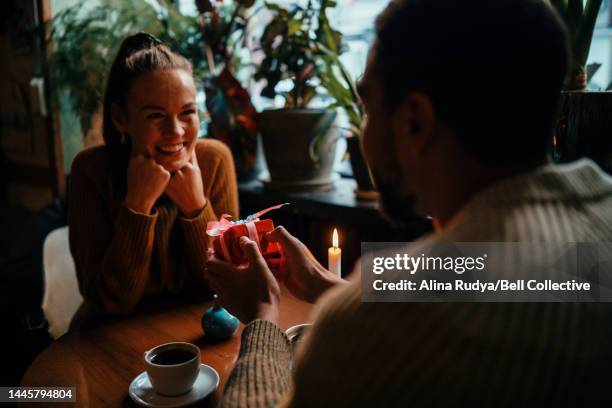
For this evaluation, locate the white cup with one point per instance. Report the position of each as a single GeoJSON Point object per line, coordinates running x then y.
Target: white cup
{"type": "Point", "coordinates": [172, 379]}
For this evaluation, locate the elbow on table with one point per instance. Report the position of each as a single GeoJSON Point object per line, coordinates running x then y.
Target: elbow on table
{"type": "Point", "coordinates": [112, 304]}
{"type": "Point", "coordinates": [122, 308]}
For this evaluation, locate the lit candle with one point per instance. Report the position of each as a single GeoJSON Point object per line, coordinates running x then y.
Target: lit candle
{"type": "Point", "coordinates": [334, 256]}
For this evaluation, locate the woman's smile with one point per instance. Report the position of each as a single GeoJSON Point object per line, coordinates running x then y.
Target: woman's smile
{"type": "Point", "coordinates": [173, 155]}
{"type": "Point", "coordinates": [171, 149]}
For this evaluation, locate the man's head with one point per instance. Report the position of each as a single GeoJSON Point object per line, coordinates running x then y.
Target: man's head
{"type": "Point", "coordinates": [453, 83]}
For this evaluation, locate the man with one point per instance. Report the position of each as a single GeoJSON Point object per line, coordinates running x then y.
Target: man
{"type": "Point", "coordinates": [460, 100]}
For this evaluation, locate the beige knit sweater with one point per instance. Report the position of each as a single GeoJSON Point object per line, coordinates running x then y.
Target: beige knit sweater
{"type": "Point", "coordinates": [453, 354]}
{"type": "Point", "coordinates": [122, 256]}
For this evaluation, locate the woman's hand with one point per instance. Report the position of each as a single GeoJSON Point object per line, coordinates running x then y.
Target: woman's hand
{"type": "Point", "coordinates": [186, 189]}
{"type": "Point", "coordinates": [146, 182]}
{"type": "Point", "coordinates": [248, 292]}
{"type": "Point", "coordinates": [306, 278]}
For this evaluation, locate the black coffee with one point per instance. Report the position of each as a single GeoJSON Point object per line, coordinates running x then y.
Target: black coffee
{"type": "Point", "coordinates": [172, 356]}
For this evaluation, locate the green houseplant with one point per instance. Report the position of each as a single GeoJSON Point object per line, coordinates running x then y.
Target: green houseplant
{"type": "Point", "coordinates": [585, 123]}
{"type": "Point", "coordinates": [340, 85]}
{"type": "Point", "coordinates": [299, 142]}
{"type": "Point", "coordinates": [580, 20]}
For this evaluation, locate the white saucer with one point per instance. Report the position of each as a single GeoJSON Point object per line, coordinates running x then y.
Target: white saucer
{"type": "Point", "coordinates": [142, 392]}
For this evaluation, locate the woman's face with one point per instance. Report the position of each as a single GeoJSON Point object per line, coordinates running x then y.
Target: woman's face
{"type": "Point", "coordinates": [161, 117]}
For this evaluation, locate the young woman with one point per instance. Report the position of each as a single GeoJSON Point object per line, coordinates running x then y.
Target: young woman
{"type": "Point", "coordinates": [139, 204]}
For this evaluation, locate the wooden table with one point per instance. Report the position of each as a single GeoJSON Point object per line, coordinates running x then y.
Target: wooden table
{"type": "Point", "coordinates": [102, 361]}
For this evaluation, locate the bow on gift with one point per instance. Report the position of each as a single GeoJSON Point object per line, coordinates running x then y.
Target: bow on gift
{"type": "Point", "coordinates": [218, 228]}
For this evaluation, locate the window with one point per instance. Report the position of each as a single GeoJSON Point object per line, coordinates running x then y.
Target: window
{"type": "Point", "coordinates": [601, 49]}
{"type": "Point", "coordinates": [356, 21]}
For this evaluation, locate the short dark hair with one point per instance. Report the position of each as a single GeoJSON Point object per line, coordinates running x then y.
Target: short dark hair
{"type": "Point", "coordinates": [494, 69]}
{"type": "Point", "coordinates": [138, 54]}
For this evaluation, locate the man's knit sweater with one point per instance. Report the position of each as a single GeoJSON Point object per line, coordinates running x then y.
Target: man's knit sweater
{"type": "Point", "coordinates": [430, 354]}
{"type": "Point", "coordinates": [120, 255]}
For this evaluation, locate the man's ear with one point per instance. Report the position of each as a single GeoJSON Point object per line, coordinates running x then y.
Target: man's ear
{"type": "Point", "coordinates": [118, 118]}
{"type": "Point", "coordinates": [413, 123]}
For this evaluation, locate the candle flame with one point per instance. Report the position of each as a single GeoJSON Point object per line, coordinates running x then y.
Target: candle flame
{"type": "Point", "coordinates": [335, 238]}
{"type": "Point", "coordinates": [554, 140]}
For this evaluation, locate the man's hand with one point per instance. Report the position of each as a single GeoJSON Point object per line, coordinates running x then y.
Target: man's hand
{"type": "Point", "coordinates": [186, 189]}
{"type": "Point", "coordinates": [249, 291]}
{"type": "Point", "coordinates": [305, 277]}
{"type": "Point", "coordinates": [146, 181]}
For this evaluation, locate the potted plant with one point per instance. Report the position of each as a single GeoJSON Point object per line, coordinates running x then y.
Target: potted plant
{"type": "Point", "coordinates": [340, 85]}
{"type": "Point", "coordinates": [585, 123]}
{"type": "Point", "coordinates": [299, 142]}
{"type": "Point", "coordinates": [233, 116]}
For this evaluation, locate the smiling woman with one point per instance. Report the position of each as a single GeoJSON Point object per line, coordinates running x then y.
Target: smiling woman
{"type": "Point", "coordinates": [140, 204]}
{"type": "Point", "coordinates": [163, 119]}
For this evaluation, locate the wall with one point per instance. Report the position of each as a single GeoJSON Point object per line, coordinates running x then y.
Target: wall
{"type": "Point", "coordinates": [32, 167]}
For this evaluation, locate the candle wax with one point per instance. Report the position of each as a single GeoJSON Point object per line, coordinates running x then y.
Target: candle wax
{"type": "Point", "coordinates": [334, 261]}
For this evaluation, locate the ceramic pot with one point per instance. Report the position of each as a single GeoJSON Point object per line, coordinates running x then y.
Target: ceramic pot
{"type": "Point", "coordinates": [299, 147]}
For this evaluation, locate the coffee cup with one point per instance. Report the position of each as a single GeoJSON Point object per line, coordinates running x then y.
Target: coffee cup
{"type": "Point", "coordinates": [173, 367]}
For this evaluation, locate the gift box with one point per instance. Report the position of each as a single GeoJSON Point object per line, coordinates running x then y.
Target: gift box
{"type": "Point", "coordinates": [227, 246]}
{"type": "Point", "coordinates": [228, 233]}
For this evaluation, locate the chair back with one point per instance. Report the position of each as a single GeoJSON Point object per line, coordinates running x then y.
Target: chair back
{"type": "Point", "coordinates": [62, 298]}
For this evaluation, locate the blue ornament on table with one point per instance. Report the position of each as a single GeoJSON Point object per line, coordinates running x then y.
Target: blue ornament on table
{"type": "Point", "coordinates": [218, 323]}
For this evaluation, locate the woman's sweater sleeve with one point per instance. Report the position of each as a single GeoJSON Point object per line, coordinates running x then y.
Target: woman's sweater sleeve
{"type": "Point", "coordinates": [112, 257]}
{"type": "Point", "coordinates": [221, 189]}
